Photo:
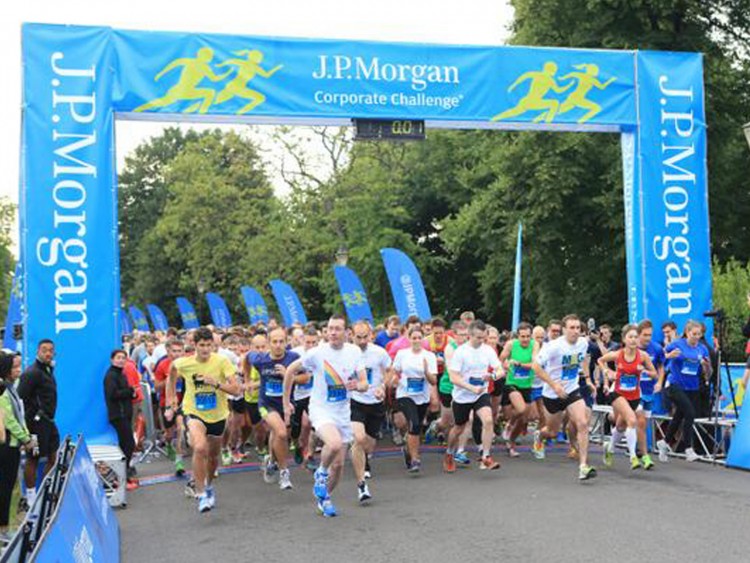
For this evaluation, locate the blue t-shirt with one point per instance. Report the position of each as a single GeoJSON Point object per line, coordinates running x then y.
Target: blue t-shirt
{"type": "Point", "coordinates": [271, 383]}
{"type": "Point", "coordinates": [382, 339]}
{"type": "Point", "coordinates": [656, 353]}
{"type": "Point", "coordinates": [685, 369]}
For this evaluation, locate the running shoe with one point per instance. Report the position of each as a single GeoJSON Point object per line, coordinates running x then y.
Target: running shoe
{"type": "Point", "coordinates": [635, 463]}
{"type": "Point", "coordinates": [368, 471]}
{"type": "Point", "coordinates": [237, 457]}
{"type": "Point", "coordinates": [506, 433]}
{"type": "Point", "coordinates": [179, 468]}
{"type": "Point", "coordinates": [326, 508]}
{"type": "Point", "coordinates": [204, 504]}
{"type": "Point", "coordinates": [609, 455]}
{"type": "Point", "coordinates": [226, 458]}
{"type": "Point", "coordinates": [132, 484]}
{"type": "Point", "coordinates": [311, 464]}
{"type": "Point", "coordinates": [407, 456]}
{"type": "Point", "coordinates": [586, 472]}
{"type": "Point", "coordinates": [449, 463]}
{"type": "Point", "coordinates": [647, 462]}
{"type": "Point", "coordinates": [415, 466]}
{"type": "Point", "coordinates": [320, 488]}
{"type": "Point", "coordinates": [431, 432]}
{"type": "Point", "coordinates": [538, 447]}
{"type": "Point", "coordinates": [462, 459]}
{"type": "Point", "coordinates": [364, 492]}
{"type": "Point", "coordinates": [398, 440]}
{"type": "Point", "coordinates": [489, 463]}
{"type": "Point", "coordinates": [171, 454]}
{"type": "Point", "coordinates": [664, 450]}
{"type": "Point", "coordinates": [211, 495]}
{"type": "Point", "coordinates": [511, 450]}
{"type": "Point", "coordinates": [299, 455]}
{"type": "Point", "coordinates": [190, 489]}
{"type": "Point", "coordinates": [269, 470]}
{"type": "Point", "coordinates": [285, 483]}
{"type": "Point", "coordinates": [690, 455]}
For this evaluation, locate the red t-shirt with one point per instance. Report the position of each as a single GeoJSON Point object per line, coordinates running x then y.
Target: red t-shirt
{"type": "Point", "coordinates": [161, 373]}
{"type": "Point", "coordinates": [628, 379]}
{"type": "Point", "coordinates": [134, 380]}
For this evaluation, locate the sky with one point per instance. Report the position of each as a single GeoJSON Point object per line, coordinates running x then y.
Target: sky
{"type": "Point", "coordinates": [477, 22]}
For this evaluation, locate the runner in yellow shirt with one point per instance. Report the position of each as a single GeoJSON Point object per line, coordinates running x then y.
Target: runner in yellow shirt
{"type": "Point", "coordinates": [209, 380]}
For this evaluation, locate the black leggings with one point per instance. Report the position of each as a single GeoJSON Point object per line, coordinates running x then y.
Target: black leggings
{"type": "Point", "coordinates": [9, 460]}
{"type": "Point", "coordinates": [125, 438]}
{"type": "Point", "coordinates": [685, 408]}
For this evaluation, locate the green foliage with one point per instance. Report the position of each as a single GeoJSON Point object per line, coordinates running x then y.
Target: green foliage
{"type": "Point", "coordinates": [7, 261]}
{"type": "Point", "coordinates": [731, 290]}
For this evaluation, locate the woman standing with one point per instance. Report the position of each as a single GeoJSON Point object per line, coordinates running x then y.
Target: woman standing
{"type": "Point", "coordinates": [14, 435]}
{"type": "Point", "coordinates": [625, 397]}
{"type": "Point", "coordinates": [119, 397]}
{"type": "Point", "coordinates": [689, 360]}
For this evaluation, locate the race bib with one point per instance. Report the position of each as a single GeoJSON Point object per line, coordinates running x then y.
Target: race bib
{"type": "Point", "coordinates": [274, 388]}
{"type": "Point", "coordinates": [628, 382]}
{"type": "Point", "coordinates": [522, 372]}
{"type": "Point", "coordinates": [336, 393]}
{"type": "Point", "coordinates": [307, 385]}
{"type": "Point", "coordinates": [476, 381]}
{"type": "Point", "coordinates": [205, 401]}
{"type": "Point", "coordinates": [690, 367]}
{"type": "Point", "coordinates": [180, 387]}
{"type": "Point", "coordinates": [369, 375]}
{"type": "Point", "coordinates": [570, 373]}
{"type": "Point", "coordinates": [414, 385]}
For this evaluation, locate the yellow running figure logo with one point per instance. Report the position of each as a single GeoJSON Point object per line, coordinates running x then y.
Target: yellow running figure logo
{"type": "Point", "coordinates": [543, 81]}
{"type": "Point", "coordinates": [354, 298]}
{"type": "Point", "coordinates": [195, 70]}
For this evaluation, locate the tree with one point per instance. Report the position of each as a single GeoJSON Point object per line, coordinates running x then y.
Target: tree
{"type": "Point", "coordinates": [7, 260]}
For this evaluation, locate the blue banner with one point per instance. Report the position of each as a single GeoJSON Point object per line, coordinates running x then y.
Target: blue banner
{"type": "Point", "coordinates": [406, 285]}
{"type": "Point", "coordinates": [517, 280]}
{"type": "Point", "coordinates": [83, 527]}
{"type": "Point", "coordinates": [68, 214]}
{"type": "Point", "coordinates": [219, 311]}
{"type": "Point", "coordinates": [676, 259]}
{"type": "Point", "coordinates": [139, 319]}
{"type": "Point", "coordinates": [158, 319]}
{"type": "Point", "coordinates": [13, 316]}
{"type": "Point", "coordinates": [288, 303]}
{"type": "Point", "coordinates": [353, 295]}
{"type": "Point", "coordinates": [255, 305]}
{"type": "Point", "coordinates": [187, 312]}
{"type": "Point", "coordinates": [126, 327]}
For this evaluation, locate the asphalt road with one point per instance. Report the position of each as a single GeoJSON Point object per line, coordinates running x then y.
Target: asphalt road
{"type": "Point", "coordinates": [528, 510]}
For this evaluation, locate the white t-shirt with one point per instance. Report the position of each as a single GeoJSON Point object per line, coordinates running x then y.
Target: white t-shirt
{"type": "Point", "coordinates": [562, 361]}
{"type": "Point", "coordinates": [235, 359]}
{"type": "Point", "coordinates": [375, 361]}
{"type": "Point", "coordinates": [473, 364]}
{"type": "Point", "coordinates": [302, 391]}
{"type": "Point", "coordinates": [412, 366]}
{"type": "Point", "coordinates": [331, 369]}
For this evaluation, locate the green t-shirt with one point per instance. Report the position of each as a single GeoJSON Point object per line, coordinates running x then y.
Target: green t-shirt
{"type": "Point", "coordinates": [521, 377]}
{"type": "Point", "coordinates": [444, 385]}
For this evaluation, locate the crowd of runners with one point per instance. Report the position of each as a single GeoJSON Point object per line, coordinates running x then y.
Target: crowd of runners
{"type": "Point", "coordinates": [319, 394]}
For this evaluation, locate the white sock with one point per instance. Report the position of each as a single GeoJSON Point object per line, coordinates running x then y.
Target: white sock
{"type": "Point", "coordinates": [461, 450]}
{"type": "Point", "coordinates": [616, 438]}
{"type": "Point", "coordinates": [30, 495]}
{"type": "Point", "coordinates": [485, 453]}
{"type": "Point", "coordinates": [632, 438]}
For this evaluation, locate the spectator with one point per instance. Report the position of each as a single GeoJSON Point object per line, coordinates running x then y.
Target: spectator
{"type": "Point", "coordinates": [38, 389]}
{"type": "Point", "coordinates": [119, 396]}
{"type": "Point", "coordinates": [391, 332]}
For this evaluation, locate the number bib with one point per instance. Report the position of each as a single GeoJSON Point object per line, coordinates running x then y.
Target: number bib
{"type": "Point", "coordinates": [476, 381]}
{"type": "Point", "coordinates": [205, 401]}
{"type": "Point", "coordinates": [180, 387]}
{"type": "Point", "coordinates": [628, 382]}
{"type": "Point", "coordinates": [274, 388]}
{"type": "Point", "coordinates": [570, 373]}
{"type": "Point", "coordinates": [690, 367]}
{"type": "Point", "coordinates": [307, 385]}
{"type": "Point", "coordinates": [522, 373]}
{"type": "Point", "coordinates": [369, 375]}
{"type": "Point", "coordinates": [414, 385]}
{"type": "Point", "coordinates": [336, 393]}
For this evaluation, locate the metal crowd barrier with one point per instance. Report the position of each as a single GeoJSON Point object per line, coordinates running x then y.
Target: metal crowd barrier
{"type": "Point", "coordinates": [151, 447]}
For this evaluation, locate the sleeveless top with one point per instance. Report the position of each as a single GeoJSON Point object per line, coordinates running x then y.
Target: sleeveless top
{"type": "Point", "coordinates": [627, 382]}
{"type": "Point", "coordinates": [521, 377]}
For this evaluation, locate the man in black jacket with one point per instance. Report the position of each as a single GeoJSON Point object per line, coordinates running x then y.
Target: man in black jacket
{"type": "Point", "coordinates": [119, 397]}
{"type": "Point", "coordinates": [38, 390]}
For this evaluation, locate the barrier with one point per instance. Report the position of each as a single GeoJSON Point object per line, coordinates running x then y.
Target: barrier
{"type": "Point", "coordinates": [151, 443]}
{"type": "Point", "coordinates": [71, 520]}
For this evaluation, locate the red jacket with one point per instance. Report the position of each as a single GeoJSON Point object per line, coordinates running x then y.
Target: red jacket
{"type": "Point", "coordinates": [134, 380]}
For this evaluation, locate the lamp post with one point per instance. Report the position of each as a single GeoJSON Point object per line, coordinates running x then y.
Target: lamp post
{"type": "Point", "coordinates": [201, 291]}
{"type": "Point", "coordinates": [342, 255]}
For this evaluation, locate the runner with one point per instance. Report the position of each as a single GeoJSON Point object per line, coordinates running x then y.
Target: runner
{"type": "Point", "coordinates": [300, 426]}
{"type": "Point", "coordinates": [473, 364]}
{"type": "Point", "coordinates": [337, 370]}
{"type": "Point", "coordinates": [368, 409]}
{"type": "Point", "coordinates": [689, 359]}
{"type": "Point", "coordinates": [272, 368]}
{"type": "Point", "coordinates": [536, 409]}
{"type": "Point", "coordinates": [251, 387]}
{"type": "Point", "coordinates": [208, 382]}
{"type": "Point", "coordinates": [517, 357]}
{"type": "Point", "coordinates": [414, 370]}
{"type": "Point", "coordinates": [460, 331]}
{"type": "Point", "coordinates": [625, 397]}
{"type": "Point", "coordinates": [563, 358]}
{"type": "Point", "coordinates": [442, 345]}
{"type": "Point", "coordinates": [649, 386]}
{"type": "Point", "coordinates": [391, 332]}
{"type": "Point", "coordinates": [175, 349]}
